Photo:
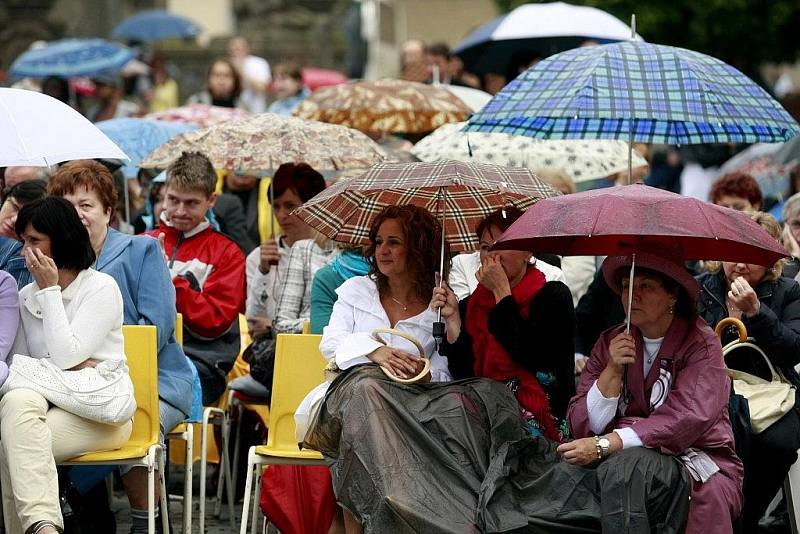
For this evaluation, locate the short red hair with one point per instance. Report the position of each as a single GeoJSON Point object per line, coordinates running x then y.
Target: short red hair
{"type": "Point", "coordinates": [86, 173]}
{"type": "Point", "coordinates": [737, 184]}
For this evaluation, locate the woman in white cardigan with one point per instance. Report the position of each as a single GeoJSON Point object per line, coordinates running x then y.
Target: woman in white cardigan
{"type": "Point", "coordinates": [70, 334]}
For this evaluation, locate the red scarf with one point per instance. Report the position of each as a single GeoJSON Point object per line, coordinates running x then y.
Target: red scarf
{"type": "Point", "coordinates": [492, 360]}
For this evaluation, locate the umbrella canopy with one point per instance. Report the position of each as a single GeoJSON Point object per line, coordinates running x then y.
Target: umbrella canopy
{"type": "Point", "coordinates": [200, 114]}
{"type": "Point", "coordinates": [543, 29]}
{"type": "Point", "coordinates": [582, 160]}
{"type": "Point", "coordinates": [154, 25]}
{"type": "Point", "coordinates": [267, 140]}
{"type": "Point", "coordinates": [139, 137]}
{"type": "Point", "coordinates": [390, 106]}
{"type": "Point", "coordinates": [475, 99]}
{"type": "Point", "coordinates": [624, 219]}
{"type": "Point", "coordinates": [636, 91]}
{"type": "Point", "coordinates": [70, 58]}
{"type": "Point", "coordinates": [469, 192]}
{"type": "Point", "coordinates": [314, 77]}
{"type": "Point", "coordinates": [39, 131]}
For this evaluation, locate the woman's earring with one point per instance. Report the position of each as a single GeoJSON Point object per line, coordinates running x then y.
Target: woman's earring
{"type": "Point", "coordinates": [672, 307]}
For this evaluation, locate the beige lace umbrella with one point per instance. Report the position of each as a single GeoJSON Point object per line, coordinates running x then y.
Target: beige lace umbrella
{"type": "Point", "coordinates": [385, 106]}
{"type": "Point", "coordinates": [265, 141]}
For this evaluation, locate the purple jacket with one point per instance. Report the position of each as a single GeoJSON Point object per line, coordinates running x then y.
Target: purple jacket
{"type": "Point", "coordinates": [694, 414]}
{"type": "Point", "coordinates": [9, 319]}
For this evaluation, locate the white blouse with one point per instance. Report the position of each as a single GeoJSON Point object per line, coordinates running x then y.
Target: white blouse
{"type": "Point", "coordinates": [81, 322]}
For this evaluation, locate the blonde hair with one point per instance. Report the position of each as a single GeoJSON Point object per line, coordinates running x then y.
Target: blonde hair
{"type": "Point", "coordinates": [768, 223]}
{"type": "Point", "coordinates": [557, 177]}
{"type": "Point", "coordinates": [791, 207]}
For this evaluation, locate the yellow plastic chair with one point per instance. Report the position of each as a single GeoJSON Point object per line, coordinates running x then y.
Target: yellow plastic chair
{"type": "Point", "coordinates": [299, 368]}
{"type": "Point", "coordinates": [144, 445]}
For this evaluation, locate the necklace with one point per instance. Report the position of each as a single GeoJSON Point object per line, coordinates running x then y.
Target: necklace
{"type": "Point", "coordinates": [405, 307]}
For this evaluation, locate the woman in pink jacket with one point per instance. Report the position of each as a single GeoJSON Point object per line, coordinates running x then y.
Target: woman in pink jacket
{"type": "Point", "coordinates": [661, 389]}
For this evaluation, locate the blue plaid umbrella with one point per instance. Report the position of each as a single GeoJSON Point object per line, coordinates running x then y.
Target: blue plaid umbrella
{"type": "Point", "coordinates": [636, 91]}
{"type": "Point", "coordinates": [154, 25]}
{"type": "Point", "coordinates": [139, 137]}
{"type": "Point", "coordinates": [69, 58]}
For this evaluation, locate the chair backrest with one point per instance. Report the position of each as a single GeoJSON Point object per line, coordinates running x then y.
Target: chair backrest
{"type": "Point", "coordinates": [244, 333]}
{"type": "Point", "coordinates": [179, 329]}
{"type": "Point", "coordinates": [307, 327]}
{"type": "Point", "coordinates": [141, 349]}
{"type": "Point", "coordinates": [299, 368]}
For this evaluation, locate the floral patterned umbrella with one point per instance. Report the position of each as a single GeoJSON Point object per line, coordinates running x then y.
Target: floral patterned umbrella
{"type": "Point", "coordinates": [581, 159]}
{"type": "Point", "coordinates": [265, 141]}
{"type": "Point", "coordinates": [200, 114]}
{"type": "Point", "coordinates": [390, 106]}
{"type": "Point", "coordinates": [463, 193]}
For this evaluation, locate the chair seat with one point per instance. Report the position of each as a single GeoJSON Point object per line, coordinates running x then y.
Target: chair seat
{"type": "Point", "coordinates": [300, 454]}
{"type": "Point", "coordinates": [129, 451]}
{"type": "Point", "coordinates": [180, 429]}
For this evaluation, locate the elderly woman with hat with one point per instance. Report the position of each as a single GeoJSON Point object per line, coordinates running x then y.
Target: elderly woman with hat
{"type": "Point", "coordinates": [660, 391]}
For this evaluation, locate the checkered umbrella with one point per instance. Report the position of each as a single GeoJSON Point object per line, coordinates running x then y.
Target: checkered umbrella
{"type": "Point", "coordinates": [464, 193]}
{"type": "Point", "coordinates": [636, 91]}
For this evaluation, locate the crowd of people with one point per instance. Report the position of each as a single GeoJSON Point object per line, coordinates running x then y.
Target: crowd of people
{"type": "Point", "coordinates": [537, 408]}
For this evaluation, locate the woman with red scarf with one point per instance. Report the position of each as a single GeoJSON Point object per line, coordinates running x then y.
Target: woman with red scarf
{"type": "Point", "coordinates": [516, 328]}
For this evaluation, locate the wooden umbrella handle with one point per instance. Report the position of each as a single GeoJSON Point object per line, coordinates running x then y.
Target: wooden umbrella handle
{"type": "Point", "coordinates": [731, 321]}
{"type": "Point", "coordinates": [376, 335]}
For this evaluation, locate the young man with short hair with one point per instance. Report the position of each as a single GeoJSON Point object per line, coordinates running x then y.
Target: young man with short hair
{"type": "Point", "coordinates": [208, 271]}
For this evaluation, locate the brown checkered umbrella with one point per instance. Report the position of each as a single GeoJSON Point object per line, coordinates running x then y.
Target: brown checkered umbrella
{"type": "Point", "coordinates": [390, 106]}
{"type": "Point", "coordinates": [464, 193]}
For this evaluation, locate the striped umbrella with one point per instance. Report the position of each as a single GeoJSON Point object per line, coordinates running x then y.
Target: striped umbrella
{"type": "Point", "coordinates": [462, 193]}
{"type": "Point", "coordinates": [636, 91]}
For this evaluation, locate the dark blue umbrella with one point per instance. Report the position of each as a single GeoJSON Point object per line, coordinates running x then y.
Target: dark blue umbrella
{"type": "Point", "coordinates": [154, 25]}
{"type": "Point", "coordinates": [636, 91]}
{"type": "Point", "coordinates": [70, 58]}
{"type": "Point", "coordinates": [139, 137]}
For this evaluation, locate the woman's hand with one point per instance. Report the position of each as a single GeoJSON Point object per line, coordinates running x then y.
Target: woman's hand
{"type": "Point", "coordinates": [400, 363]}
{"type": "Point", "coordinates": [42, 268]}
{"type": "Point", "coordinates": [744, 297]}
{"type": "Point", "coordinates": [579, 451]}
{"type": "Point", "coordinates": [622, 351]}
{"type": "Point", "coordinates": [492, 276]}
{"type": "Point", "coordinates": [444, 298]}
{"type": "Point", "coordinates": [268, 255]}
{"type": "Point", "coordinates": [258, 326]}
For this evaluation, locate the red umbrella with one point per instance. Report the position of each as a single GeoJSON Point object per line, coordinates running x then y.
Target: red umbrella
{"type": "Point", "coordinates": [625, 219]}
{"type": "Point", "coordinates": [314, 78]}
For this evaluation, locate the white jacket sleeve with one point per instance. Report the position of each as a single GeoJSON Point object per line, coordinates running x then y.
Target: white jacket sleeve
{"type": "Point", "coordinates": [601, 409]}
{"type": "Point", "coordinates": [258, 285]}
{"type": "Point", "coordinates": [340, 343]}
{"type": "Point", "coordinates": [71, 343]}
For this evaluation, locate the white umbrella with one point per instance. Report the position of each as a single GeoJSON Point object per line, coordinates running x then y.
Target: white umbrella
{"type": "Point", "coordinates": [475, 99]}
{"type": "Point", "coordinates": [37, 130]}
{"type": "Point", "coordinates": [581, 159]}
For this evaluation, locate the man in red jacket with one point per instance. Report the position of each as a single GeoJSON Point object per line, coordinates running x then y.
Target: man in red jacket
{"type": "Point", "coordinates": [207, 268]}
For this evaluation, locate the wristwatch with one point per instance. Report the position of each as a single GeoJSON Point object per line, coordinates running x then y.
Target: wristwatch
{"type": "Point", "coordinates": [603, 445]}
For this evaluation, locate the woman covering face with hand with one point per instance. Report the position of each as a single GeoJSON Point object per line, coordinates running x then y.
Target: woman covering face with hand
{"type": "Point", "coordinates": [71, 321]}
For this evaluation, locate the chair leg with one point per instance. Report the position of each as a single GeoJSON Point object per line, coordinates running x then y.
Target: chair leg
{"type": "Point", "coordinates": [162, 479]}
{"type": "Point", "coordinates": [187, 480]}
{"type": "Point", "coordinates": [224, 461]}
{"type": "Point", "coordinates": [238, 444]}
{"type": "Point", "coordinates": [248, 489]}
{"type": "Point", "coordinates": [256, 496]}
{"type": "Point", "coordinates": [203, 465]}
{"type": "Point", "coordinates": [151, 490]}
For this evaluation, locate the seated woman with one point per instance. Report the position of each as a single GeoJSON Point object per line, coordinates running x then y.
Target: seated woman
{"type": "Point", "coordinates": [518, 328]}
{"type": "Point", "coordinates": [769, 306]}
{"type": "Point", "coordinates": [71, 321]}
{"type": "Point", "coordinates": [9, 319]}
{"type": "Point", "coordinates": [148, 296]}
{"type": "Point", "coordinates": [672, 399]}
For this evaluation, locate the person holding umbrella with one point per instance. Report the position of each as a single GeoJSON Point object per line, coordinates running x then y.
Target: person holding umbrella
{"type": "Point", "coordinates": [673, 399]}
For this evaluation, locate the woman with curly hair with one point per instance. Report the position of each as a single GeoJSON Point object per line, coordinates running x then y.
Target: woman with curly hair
{"type": "Point", "coordinates": [382, 438]}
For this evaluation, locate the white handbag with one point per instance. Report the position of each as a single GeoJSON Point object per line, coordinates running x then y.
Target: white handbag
{"type": "Point", "coordinates": [103, 393]}
{"type": "Point", "coordinates": [767, 400]}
